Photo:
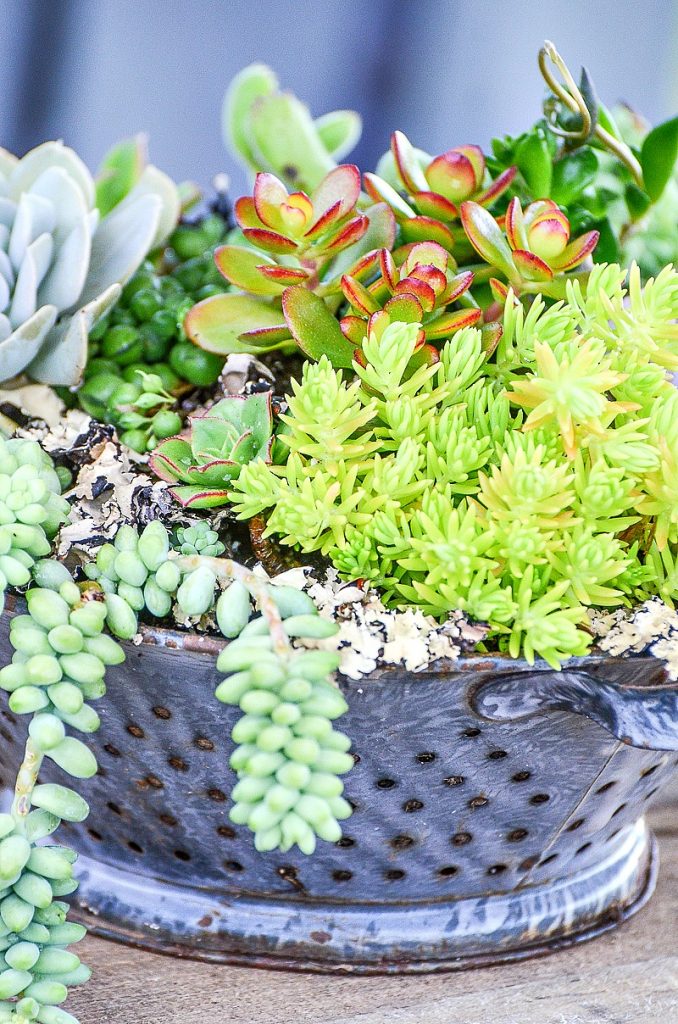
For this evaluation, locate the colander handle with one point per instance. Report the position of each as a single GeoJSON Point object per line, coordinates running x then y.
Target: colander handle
{"type": "Point", "coordinates": [642, 716]}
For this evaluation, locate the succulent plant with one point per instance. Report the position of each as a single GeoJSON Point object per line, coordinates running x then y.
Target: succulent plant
{"type": "Point", "coordinates": [61, 267]}
{"type": "Point", "coordinates": [217, 445]}
{"type": "Point", "coordinates": [419, 290]}
{"type": "Point", "coordinates": [522, 485]}
{"type": "Point", "coordinates": [270, 130]}
{"type": "Point", "coordinates": [434, 188]}
{"type": "Point", "coordinates": [534, 250]}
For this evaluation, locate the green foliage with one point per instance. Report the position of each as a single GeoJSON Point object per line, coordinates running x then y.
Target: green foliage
{"type": "Point", "coordinates": [218, 444]}
{"type": "Point", "coordinates": [199, 539]}
{"type": "Point", "coordinates": [271, 130]}
{"type": "Point", "coordinates": [57, 670]}
{"type": "Point", "coordinates": [140, 572]}
{"type": "Point", "coordinates": [289, 756]}
{"type": "Point", "coordinates": [31, 509]}
{"type": "Point", "coordinates": [144, 332]}
{"type": "Point", "coordinates": [515, 487]}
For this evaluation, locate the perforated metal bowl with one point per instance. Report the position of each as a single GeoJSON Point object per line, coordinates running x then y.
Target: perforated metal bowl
{"type": "Point", "coordinates": [498, 814]}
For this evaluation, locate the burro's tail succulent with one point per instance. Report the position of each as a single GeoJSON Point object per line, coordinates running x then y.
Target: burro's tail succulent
{"type": "Point", "coordinates": [61, 264]}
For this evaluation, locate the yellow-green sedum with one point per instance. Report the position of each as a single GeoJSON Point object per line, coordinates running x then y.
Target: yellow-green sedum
{"type": "Point", "coordinates": [524, 487]}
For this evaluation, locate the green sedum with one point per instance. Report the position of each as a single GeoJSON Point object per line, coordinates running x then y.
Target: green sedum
{"type": "Point", "coordinates": [522, 487]}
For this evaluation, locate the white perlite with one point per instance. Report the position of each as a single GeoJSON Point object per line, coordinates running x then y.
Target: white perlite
{"type": "Point", "coordinates": [370, 634]}
{"type": "Point", "coordinates": [653, 627]}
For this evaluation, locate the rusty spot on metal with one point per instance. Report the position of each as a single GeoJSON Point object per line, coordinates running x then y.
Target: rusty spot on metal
{"type": "Point", "coordinates": [320, 937]}
{"type": "Point", "coordinates": [205, 921]}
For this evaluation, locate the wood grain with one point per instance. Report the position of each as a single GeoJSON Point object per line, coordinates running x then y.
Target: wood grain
{"type": "Point", "coordinates": [630, 975]}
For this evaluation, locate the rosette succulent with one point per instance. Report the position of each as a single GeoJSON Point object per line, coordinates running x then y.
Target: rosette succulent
{"type": "Point", "coordinates": [61, 264]}
{"type": "Point", "coordinates": [434, 187]}
{"type": "Point", "coordinates": [235, 432]}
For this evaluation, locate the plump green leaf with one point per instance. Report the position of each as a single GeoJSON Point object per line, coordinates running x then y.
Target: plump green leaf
{"type": "Point", "coordinates": [119, 171]}
{"type": "Point", "coordinates": [658, 157]}
{"type": "Point", "coordinates": [534, 163]}
{"type": "Point", "coordinates": [314, 329]}
{"type": "Point", "coordinates": [216, 324]}
{"type": "Point", "coordinates": [572, 175]}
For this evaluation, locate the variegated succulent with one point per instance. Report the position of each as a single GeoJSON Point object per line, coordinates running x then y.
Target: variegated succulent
{"type": "Point", "coordinates": [204, 460]}
{"type": "Point", "coordinates": [61, 264]}
{"type": "Point", "coordinates": [425, 192]}
{"type": "Point", "coordinates": [419, 290]}
{"type": "Point", "coordinates": [533, 251]}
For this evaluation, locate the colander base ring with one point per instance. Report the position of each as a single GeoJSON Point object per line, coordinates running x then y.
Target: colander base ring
{"type": "Point", "coordinates": [363, 939]}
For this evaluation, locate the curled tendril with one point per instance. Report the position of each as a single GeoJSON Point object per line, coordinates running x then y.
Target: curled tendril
{"type": "Point", "coordinates": [570, 95]}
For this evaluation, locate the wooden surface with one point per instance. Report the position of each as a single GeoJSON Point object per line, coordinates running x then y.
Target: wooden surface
{"type": "Point", "coordinates": [629, 975]}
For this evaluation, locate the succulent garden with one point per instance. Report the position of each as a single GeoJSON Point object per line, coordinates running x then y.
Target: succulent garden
{"type": "Point", "coordinates": [446, 382]}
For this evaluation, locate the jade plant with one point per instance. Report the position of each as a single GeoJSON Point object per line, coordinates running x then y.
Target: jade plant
{"type": "Point", "coordinates": [61, 263]}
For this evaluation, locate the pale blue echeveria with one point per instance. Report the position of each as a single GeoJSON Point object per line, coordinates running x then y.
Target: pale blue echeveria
{"type": "Point", "coordinates": [61, 265]}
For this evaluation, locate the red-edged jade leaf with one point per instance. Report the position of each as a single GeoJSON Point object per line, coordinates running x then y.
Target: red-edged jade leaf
{"type": "Point", "coordinates": [426, 229]}
{"type": "Point", "coordinates": [405, 157]}
{"type": "Point", "coordinates": [358, 296]}
{"type": "Point", "coordinates": [497, 187]}
{"type": "Point", "coordinates": [269, 194]}
{"type": "Point", "coordinates": [271, 241]}
{"type": "Point", "coordinates": [405, 308]}
{"type": "Point", "coordinates": [243, 268]}
{"type": "Point", "coordinates": [577, 251]}
{"type": "Point", "coordinates": [340, 185]}
{"type": "Point", "coordinates": [246, 214]}
{"type": "Point", "coordinates": [216, 324]}
{"type": "Point", "coordinates": [381, 191]}
{"type": "Point", "coordinates": [447, 323]}
{"type": "Point", "coordinates": [531, 267]}
{"type": "Point", "coordinates": [314, 329]}
{"type": "Point", "coordinates": [485, 236]}
{"type": "Point", "coordinates": [433, 205]}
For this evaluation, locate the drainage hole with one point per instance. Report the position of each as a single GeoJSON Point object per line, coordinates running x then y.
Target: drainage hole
{"type": "Point", "coordinates": [618, 811]}
{"type": "Point", "coordinates": [574, 825]}
{"type": "Point", "coordinates": [134, 847]}
{"type": "Point", "coordinates": [449, 872]}
{"type": "Point", "coordinates": [182, 855]}
{"type": "Point", "coordinates": [478, 801]}
{"type": "Point", "coordinates": [427, 757]}
{"type": "Point", "coordinates": [114, 807]}
{"type": "Point", "coordinates": [136, 731]}
{"type": "Point", "coordinates": [178, 764]}
{"type": "Point", "coordinates": [168, 819]}
{"type": "Point", "coordinates": [461, 838]}
{"type": "Point", "coordinates": [497, 755]}
{"type": "Point", "coordinates": [582, 849]}
{"type": "Point", "coordinates": [394, 875]}
{"type": "Point", "coordinates": [471, 733]}
{"type": "Point", "coordinates": [604, 789]}
{"type": "Point", "coordinates": [412, 805]}
{"type": "Point", "coordinates": [516, 835]}
{"type": "Point", "coordinates": [401, 842]}
{"type": "Point", "coordinates": [521, 776]}
{"type": "Point", "coordinates": [342, 875]}
{"type": "Point", "coordinates": [94, 834]}
{"type": "Point", "coordinates": [202, 743]}
{"type": "Point", "coordinates": [540, 798]}
{"type": "Point", "coordinates": [233, 865]}
{"type": "Point", "coordinates": [497, 869]}
{"type": "Point", "coordinates": [113, 751]}
{"type": "Point", "coordinates": [218, 795]}
{"type": "Point", "coordinates": [454, 780]}
{"type": "Point", "coordinates": [226, 831]}
{"type": "Point", "coordinates": [386, 783]}
{"type": "Point", "coordinates": [345, 843]}
{"type": "Point", "coordinates": [164, 713]}
{"type": "Point", "coordinates": [547, 860]}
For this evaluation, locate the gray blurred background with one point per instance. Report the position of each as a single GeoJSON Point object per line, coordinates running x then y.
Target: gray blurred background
{"type": "Point", "coordinates": [445, 72]}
